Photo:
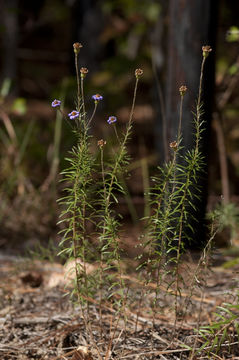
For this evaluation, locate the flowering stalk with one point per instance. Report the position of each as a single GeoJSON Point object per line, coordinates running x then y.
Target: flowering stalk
{"type": "Point", "coordinates": [193, 166]}
{"type": "Point", "coordinates": [83, 72]}
{"type": "Point", "coordinates": [101, 144]}
{"type": "Point", "coordinates": [78, 201]}
{"type": "Point", "coordinates": [97, 98]}
{"type": "Point", "coordinates": [77, 46]}
{"type": "Point", "coordinates": [161, 220]}
{"type": "Point", "coordinates": [182, 91]}
{"type": "Point", "coordinates": [109, 243]}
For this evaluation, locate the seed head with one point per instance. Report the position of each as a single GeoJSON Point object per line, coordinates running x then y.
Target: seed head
{"type": "Point", "coordinates": [174, 145]}
{"type": "Point", "coordinates": [83, 72]}
{"type": "Point", "coordinates": [206, 50]}
{"type": "Point", "coordinates": [77, 46]}
{"type": "Point", "coordinates": [138, 73]}
{"type": "Point", "coordinates": [182, 90]}
{"type": "Point", "coordinates": [101, 143]}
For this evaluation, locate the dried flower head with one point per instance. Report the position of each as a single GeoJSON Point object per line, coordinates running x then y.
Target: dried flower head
{"type": "Point", "coordinates": [77, 46]}
{"type": "Point", "coordinates": [138, 73]}
{"type": "Point", "coordinates": [101, 143]}
{"type": "Point", "coordinates": [206, 50]}
{"type": "Point", "coordinates": [97, 98]}
{"type": "Point", "coordinates": [182, 90]}
{"type": "Point", "coordinates": [112, 119]}
{"type": "Point", "coordinates": [74, 114]}
{"type": "Point", "coordinates": [83, 71]}
{"type": "Point", "coordinates": [56, 103]}
{"type": "Point", "coordinates": [174, 145]}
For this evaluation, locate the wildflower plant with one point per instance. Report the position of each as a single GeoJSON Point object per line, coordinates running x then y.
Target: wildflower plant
{"type": "Point", "coordinates": [89, 201]}
{"type": "Point", "coordinates": [172, 202]}
{"type": "Point", "coordinates": [90, 209]}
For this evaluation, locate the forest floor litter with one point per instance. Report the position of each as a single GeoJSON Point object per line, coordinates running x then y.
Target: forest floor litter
{"type": "Point", "coordinates": [38, 321]}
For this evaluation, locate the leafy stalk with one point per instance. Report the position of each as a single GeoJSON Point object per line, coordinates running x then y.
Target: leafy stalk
{"type": "Point", "coordinates": [194, 165]}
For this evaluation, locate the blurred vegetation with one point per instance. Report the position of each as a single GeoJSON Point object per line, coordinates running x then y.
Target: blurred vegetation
{"type": "Point", "coordinates": [34, 142]}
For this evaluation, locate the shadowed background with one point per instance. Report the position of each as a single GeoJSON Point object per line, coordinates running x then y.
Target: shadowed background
{"type": "Point", "coordinates": [163, 38]}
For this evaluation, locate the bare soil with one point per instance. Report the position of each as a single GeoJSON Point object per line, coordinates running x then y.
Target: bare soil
{"type": "Point", "coordinates": [38, 321]}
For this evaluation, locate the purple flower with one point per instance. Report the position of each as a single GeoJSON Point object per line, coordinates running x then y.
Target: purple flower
{"type": "Point", "coordinates": [74, 114]}
{"type": "Point", "coordinates": [56, 103]}
{"type": "Point", "coordinates": [112, 119]}
{"type": "Point", "coordinates": [97, 97]}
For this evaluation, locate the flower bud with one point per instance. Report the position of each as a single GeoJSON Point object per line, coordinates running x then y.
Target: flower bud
{"type": "Point", "coordinates": [101, 143]}
{"type": "Point", "coordinates": [206, 50]}
{"type": "Point", "coordinates": [83, 72]}
{"type": "Point", "coordinates": [138, 73]}
{"type": "Point", "coordinates": [182, 90]}
{"type": "Point", "coordinates": [174, 145]}
{"type": "Point", "coordinates": [77, 46]}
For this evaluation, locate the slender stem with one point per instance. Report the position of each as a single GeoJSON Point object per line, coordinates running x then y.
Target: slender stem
{"type": "Point", "coordinates": [133, 103]}
{"type": "Point", "coordinates": [102, 169]}
{"type": "Point", "coordinates": [180, 120]}
{"type": "Point", "coordinates": [116, 133]}
{"type": "Point", "coordinates": [93, 114]}
{"type": "Point", "coordinates": [162, 257]}
{"type": "Point", "coordinates": [108, 191]}
{"type": "Point", "coordinates": [78, 82]}
{"type": "Point", "coordinates": [126, 137]}
{"type": "Point", "coordinates": [83, 102]}
{"type": "Point", "coordinates": [198, 107]}
{"type": "Point", "coordinates": [154, 237]}
{"type": "Point", "coordinates": [82, 149]}
{"type": "Point", "coordinates": [186, 188]}
{"type": "Point", "coordinates": [74, 237]}
{"type": "Point", "coordinates": [200, 83]}
{"type": "Point", "coordinates": [103, 235]}
{"type": "Point", "coordinates": [203, 262]}
{"type": "Point", "coordinates": [173, 169]}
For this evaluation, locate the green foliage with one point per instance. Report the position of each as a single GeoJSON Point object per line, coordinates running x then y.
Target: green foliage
{"type": "Point", "coordinates": [233, 34]}
{"type": "Point", "coordinates": [226, 216]}
{"type": "Point", "coordinates": [45, 253]}
{"type": "Point", "coordinates": [173, 205]}
{"type": "Point", "coordinates": [92, 224]}
{"type": "Point", "coordinates": [223, 331]}
{"type": "Point", "coordinates": [78, 207]}
{"type": "Point", "coordinates": [91, 188]}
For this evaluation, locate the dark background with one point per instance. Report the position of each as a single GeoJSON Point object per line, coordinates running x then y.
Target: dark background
{"type": "Point", "coordinates": [37, 66]}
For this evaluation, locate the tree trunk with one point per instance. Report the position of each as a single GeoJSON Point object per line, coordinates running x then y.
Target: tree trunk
{"type": "Point", "coordinates": [87, 25]}
{"type": "Point", "coordinates": [191, 25]}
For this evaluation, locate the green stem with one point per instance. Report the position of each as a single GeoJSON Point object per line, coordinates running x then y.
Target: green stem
{"type": "Point", "coordinates": [83, 103]}
{"type": "Point", "coordinates": [93, 114]}
{"type": "Point", "coordinates": [108, 193]}
{"type": "Point", "coordinates": [180, 120]}
{"type": "Point", "coordinates": [187, 184]}
{"type": "Point", "coordinates": [103, 236]}
{"type": "Point", "coordinates": [126, 137]}
{"type": "Point", "coordinates": [78, 82]}
{"type": "Point", "coordinates": [116, 133]}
